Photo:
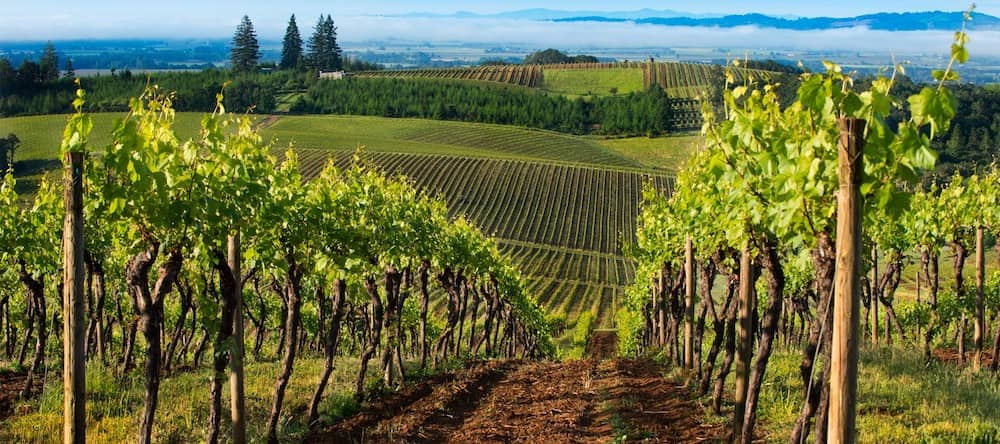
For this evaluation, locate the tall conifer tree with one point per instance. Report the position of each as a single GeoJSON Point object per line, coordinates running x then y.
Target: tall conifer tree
{"type": "Point", "coordinates": [246, 51]}
{"type": "Point", "coordinates": [324, 52]}
{"type": "Point", "coordinates": [291, 51]}
{"type": "Point", "coordinates": [49, 64]}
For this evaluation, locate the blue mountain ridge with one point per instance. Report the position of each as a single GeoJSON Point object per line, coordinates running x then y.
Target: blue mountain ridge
{"type": "Point", "coordinates": [886, 21]}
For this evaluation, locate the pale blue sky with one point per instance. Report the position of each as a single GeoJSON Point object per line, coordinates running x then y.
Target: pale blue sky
{"type": "Point", "coordinates": [57, 19]}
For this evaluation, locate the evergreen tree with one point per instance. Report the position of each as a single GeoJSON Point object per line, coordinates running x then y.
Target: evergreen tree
{"type": "Point", "coordinates": [246, 50]}
{"type": "Point", "coordinates": [49, 64]}
{"type": "Point", "coordinates": [70, 72]}
{"type": "Point", "coordinates": [324, 52]}
{"type": "Point", "coordinates": [7, 77]}
{"type": "Point", "coordinates": [291, 51]}
{"type": "Point", "coordinates": [28, 75]}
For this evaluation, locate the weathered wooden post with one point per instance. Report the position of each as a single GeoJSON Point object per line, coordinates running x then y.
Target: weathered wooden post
{"type": "Point", "coordinates": [744, 341]}
{"type": "Point", "coordinates": [847, 284]}
{"type": "Point", "coordinates": [689, 289]}
{"type": "Point", "coordinates": [874, 301]}
{"type": "Point", "coordinates": [237, 401]}
{"type": "Point", "coordinates": [74, 300]}
{"type": "Point", "coordinates": [980, 327]}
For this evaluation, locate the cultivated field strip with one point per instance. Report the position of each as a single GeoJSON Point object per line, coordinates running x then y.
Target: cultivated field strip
{"type": "Point", "coordinates": [534, 202]}
{"type": "Point", "coordinates": [518, 142]}
{"type": "Point", "coordinates": [526, 75]}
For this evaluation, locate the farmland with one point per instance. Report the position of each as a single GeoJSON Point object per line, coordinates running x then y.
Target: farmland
{"type": "Point", "coordinates": [563, 206]}
{"type": "Point", "coordinates": [681, 80]}
{"type": "Point", "coordinates": [586, 82]}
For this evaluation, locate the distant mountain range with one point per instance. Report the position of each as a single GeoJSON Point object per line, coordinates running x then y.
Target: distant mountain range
{"type": "Point", "coordinates": [886, 21]}
{"type": "Point", "coordinates": [542, 14]}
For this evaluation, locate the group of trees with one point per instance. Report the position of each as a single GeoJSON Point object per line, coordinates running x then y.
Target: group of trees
{"type": "Point", "coordinates": [183, 239]}
{"type": "Point", "coordinates": [760, 207]}
{"type": "Point", "coordinates": [642, 113]}
{"type": "Point", "coordinates": [555, 57]}
{"type": "Point", "coordinates": [324, 53]}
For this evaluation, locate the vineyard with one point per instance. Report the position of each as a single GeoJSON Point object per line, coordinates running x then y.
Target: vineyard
{"type": "Point", "coordinates": [441, 137]}
{"type": "Point", "coordinates": [528, 76]}
{"type": "Point", "coordinates": [544, 194]}
{"type": "Point", "coordinates": [228, 226]}
{"type": "Point", "coordinates": [807, 215]}
{"type": "Point", "coordinates": [680, 80]}
{"type": "Point", "coordinates": [553, 220]}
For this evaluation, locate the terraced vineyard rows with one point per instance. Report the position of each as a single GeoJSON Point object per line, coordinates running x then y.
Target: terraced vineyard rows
{"type": "Point", "coordinates": [690, 80]}
{"type": "Point", "coordinates": [564, 225]}
{"type": "Point", "coordinates": [558, 205]}
{"type": "Point", "coordinates": [528, 75]}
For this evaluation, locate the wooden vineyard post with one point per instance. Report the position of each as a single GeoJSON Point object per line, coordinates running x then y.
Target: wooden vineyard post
{"type": "Point", "coordinates": [874, 296]}
{"type": "Point", "coordinates": [74, 320]}
{"type": "Point", "coordinates": [689, 288]}
{"type": "Point", "coordinates": [744, 342]}
{"type": "Point", "coordinates": [237, 400]}
{"type": "Point", "coordinates": [847, 285]}
{"type": "Point", "coordinates": [980, 330]}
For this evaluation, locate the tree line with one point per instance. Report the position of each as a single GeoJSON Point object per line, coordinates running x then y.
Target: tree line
{"type": "Point", "coordinates": [182, 240]}
{"type": "Point", "coordinates": [641, 113]}
{"type": "Point", "coordinates": [322, 53]}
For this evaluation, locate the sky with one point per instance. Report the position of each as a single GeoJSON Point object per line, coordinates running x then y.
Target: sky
{"type": "Point", "coordinates": [361, 20]}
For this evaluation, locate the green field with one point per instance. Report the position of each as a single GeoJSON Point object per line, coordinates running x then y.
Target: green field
{"type": "Point", "coordinates": [416, 136]}
{"type": "Point", "coordinates": [599, 82]}
{"type": "Point", "coordinates": [41, 135]}
{"type": "Point", "coordinates": [661, 153]}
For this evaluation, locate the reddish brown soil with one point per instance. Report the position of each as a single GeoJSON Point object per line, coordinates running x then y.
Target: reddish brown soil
{"type": "Point", "coordinates": [534, 402]}
{"type": "Point", "coordinates": [603, 344]}
{"type": "Point", "coordinates": [11, 384]}
{"type": "Point", "coordinates": [950, 355]}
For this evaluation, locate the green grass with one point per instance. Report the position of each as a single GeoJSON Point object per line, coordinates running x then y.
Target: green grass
{"type": "Point", "coordinates": [40, 138]}
{"type": "Point", "coordinates": [114, 404]}
{"type": "Point", "coordinates": [661, 153]}
{"type": "Point", "coordinates": [419, 136]}
{"type": "Point", "coordinates": [901, 398]}
{"type": "Point", "coordinates": [598, 82]}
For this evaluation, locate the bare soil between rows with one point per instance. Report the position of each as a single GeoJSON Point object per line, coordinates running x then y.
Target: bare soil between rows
{"type": "Point", "coordinates": [583, 401]}
{"type": "Point", "coordinates": [11, 385]}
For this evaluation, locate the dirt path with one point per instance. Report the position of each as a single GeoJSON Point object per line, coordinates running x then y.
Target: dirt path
{"type": "Point", "coordinates": [267, 122]}
{"type": "Point", "coordinates": [588, 401]}
{"type": "Point", "coordinates": [603, 344]}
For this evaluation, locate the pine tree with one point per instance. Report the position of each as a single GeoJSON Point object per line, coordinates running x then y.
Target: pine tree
{"type": "Point", "coordinates": [70, 73]}
{"type": "Point", "coordinates": [49, 64]}
{"type": "Point", "coordinates": [291, 51]}
{"type": "Point", "coordinates": [324, 52]}
{"type": "Point", "coordinates": [246, 50]}
{"type": "Point", "coordinates": [8, 77]}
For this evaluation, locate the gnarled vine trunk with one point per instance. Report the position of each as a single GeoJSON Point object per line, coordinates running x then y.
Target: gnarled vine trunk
{"type": "Point", "coordinates": [150, 308]}
{"type": "Point", "coordinates": [227, 290]}
{"type": "Point", "coordinates": [329, 347]}
{"type": "Point", "coordinates": [293, 297]}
